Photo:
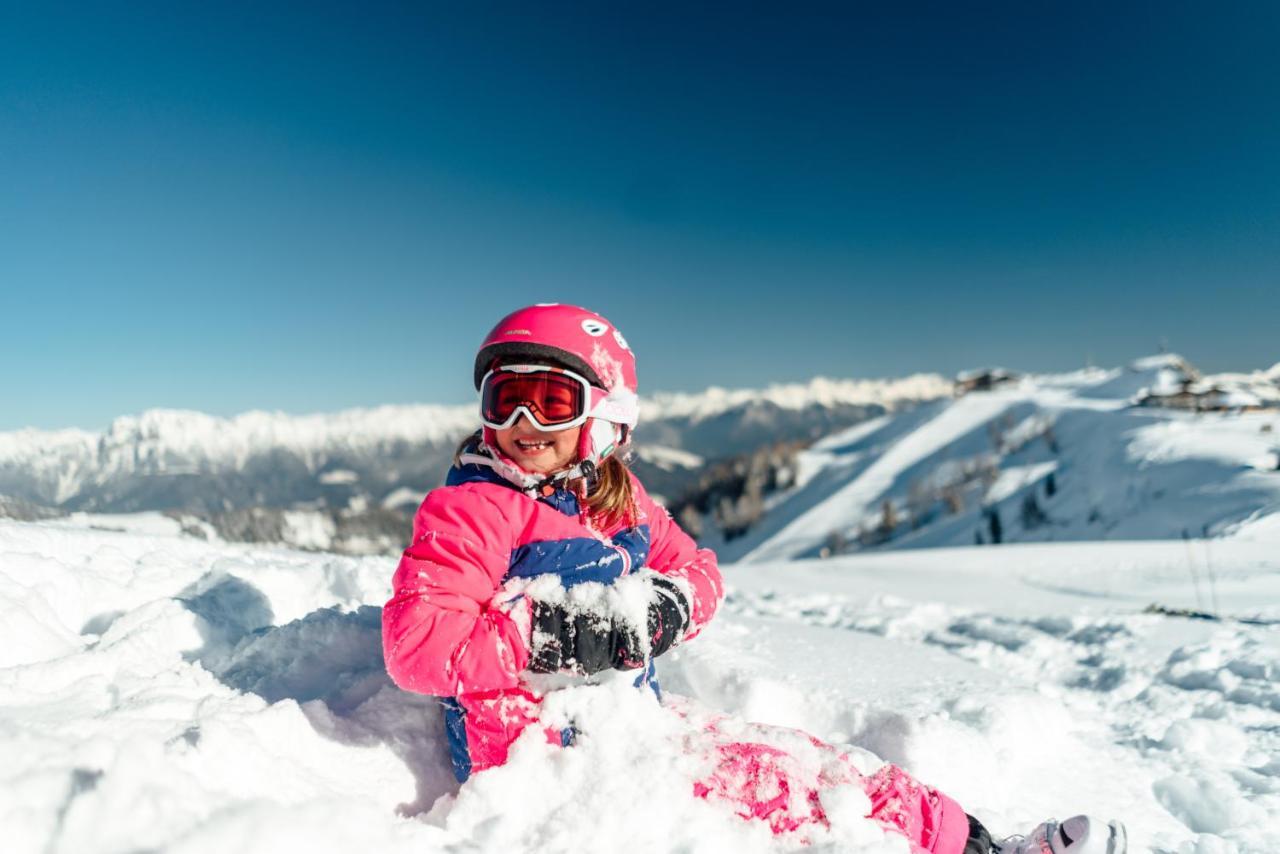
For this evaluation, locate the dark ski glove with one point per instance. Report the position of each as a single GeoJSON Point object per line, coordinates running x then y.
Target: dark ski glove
{"type": "Point", "coordinates": [577, 642]}
{"type": "Point", "coordinates": [586, 642]}
{"type": "Point", "coordinates": [979, 841]}
{"type": "Point", "coordinates": [668, 615]}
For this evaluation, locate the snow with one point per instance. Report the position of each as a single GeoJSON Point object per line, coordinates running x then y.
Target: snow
{"type": "Point", "coordinates": [1017, 478]}
{"type": "Point", "coordinates": [149, 524]}
{"type": "Point", "coordinates": [860, 494]}
{"type": "Point", "coordinates": [79, 468]}
{"type": "Point", "coordinates": [158, 692]}
{"type": "Point", "coordinates": [403, 497]}
{"type": "Point", "coordinates": [850, 435]}
{"type": "Point", "coordinates": [1159, 361]}
{"type": "Point", "coordinates": [61, 458]}
{"type": "Point", "coordinates": [1120, 471]}
{"type": "Point", "coordinates": [669, 459]}
{"type": "Point", "coordinates": [307, 529]}
{"type": "Point", "coordinates": [175, 441]}
{"type": "Point", "coordinates": [1257, 387]}
{"type": "Point", "coordinates": [817, 392]}
{"type": "Point", "coordinates": [164, 692]}
{"type": "Point", "coordinates": [1219, 438]}
{"type": "Point", "coordinates": [160, 435]}
{"type": "Point", "coordinates": [62, 464]}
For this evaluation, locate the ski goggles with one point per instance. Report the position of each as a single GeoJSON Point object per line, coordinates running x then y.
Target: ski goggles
{"type": "Point", "coordinates": [552, 398]}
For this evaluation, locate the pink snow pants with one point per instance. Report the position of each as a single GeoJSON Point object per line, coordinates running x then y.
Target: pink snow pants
{"type": "Point", "coordinates": [761, 781]}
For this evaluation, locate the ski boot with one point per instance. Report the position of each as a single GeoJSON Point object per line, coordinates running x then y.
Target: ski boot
{"type": "Point", "coordinates": [1077, 835]}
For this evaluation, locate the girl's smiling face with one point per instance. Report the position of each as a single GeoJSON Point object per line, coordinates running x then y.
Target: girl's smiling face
{"type": "Point", "coordinates": [536, 451]}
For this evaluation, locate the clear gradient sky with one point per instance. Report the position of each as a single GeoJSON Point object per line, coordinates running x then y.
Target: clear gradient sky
{"type": "Point", "coordinates": [305, 207]}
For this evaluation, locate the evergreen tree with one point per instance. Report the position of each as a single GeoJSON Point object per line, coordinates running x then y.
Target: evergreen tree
{"type": "Point", "coordinates": [1032, 516]}
{"type": "Point", "coordinates": [888, 519]}
{"type": "Point", "coordinates": [836, 543]}
{"type": "Point", "coordinates": [690, 520]}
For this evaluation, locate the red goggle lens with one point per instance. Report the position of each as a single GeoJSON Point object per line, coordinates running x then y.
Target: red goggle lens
{"type": "Point", "coordinates": [550, 397]}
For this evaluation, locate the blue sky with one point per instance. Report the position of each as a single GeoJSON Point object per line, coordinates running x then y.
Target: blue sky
{"type": "Point", "coordinates": [313, 206]}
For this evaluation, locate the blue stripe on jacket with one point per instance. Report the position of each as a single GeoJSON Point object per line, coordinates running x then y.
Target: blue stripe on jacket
{"type": "Point", "coordinates": [455, 727]}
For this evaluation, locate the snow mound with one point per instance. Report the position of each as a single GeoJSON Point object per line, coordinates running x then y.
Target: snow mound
{"type": "Point", "coordinates": [627, 783]}
{"type": "Point", "coordinates": [162, 693]}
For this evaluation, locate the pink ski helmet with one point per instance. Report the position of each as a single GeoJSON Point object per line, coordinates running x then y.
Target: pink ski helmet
{"type": "Point", "coordinates": [585, 343]}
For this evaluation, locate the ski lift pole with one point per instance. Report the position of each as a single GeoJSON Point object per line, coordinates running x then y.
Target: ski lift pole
{"type": "Point", "coordinates": [1191, 565]}
{"type": "Point", "coordinates": [1208, 566]}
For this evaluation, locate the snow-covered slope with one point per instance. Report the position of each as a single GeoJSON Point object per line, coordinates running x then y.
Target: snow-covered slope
{"type": "Point", "coordinates": [161, 693]}
{"type": "Point", "coordinates": [1064, 457]}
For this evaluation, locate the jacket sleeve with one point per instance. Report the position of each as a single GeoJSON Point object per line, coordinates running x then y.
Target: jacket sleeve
{"type": "Point", "coordinates": [446, 629]}
{"type": "Point", "coordinates": [673, 553]}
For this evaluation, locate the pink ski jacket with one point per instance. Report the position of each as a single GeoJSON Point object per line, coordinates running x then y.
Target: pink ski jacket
{"type": "Point", "coordinates": [449, 630]}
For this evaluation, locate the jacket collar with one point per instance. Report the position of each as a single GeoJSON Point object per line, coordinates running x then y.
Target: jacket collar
{"type": "Point", "coordinates": [479, 463]}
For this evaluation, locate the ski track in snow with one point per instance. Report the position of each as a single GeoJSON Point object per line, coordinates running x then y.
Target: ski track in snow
{"type": "Point", "coordinates": [1199, 722]}
{"type": "Point", "coordinates": [158, 693]}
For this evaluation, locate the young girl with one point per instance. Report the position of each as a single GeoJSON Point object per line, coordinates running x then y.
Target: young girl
{"type": "Point", "coordinates": [490, 611]}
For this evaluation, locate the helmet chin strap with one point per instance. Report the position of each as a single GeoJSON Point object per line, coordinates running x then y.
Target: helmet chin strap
{"type": "Point", "coordinates": [598, 440]}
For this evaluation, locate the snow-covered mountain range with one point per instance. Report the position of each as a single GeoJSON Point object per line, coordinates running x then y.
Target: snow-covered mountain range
{"type": "Point", "coordinates": [367, 468]}
{"type": "Point", "coordinates": [78, 469]}
{"type": "Point", "coordinates": [825, 467]}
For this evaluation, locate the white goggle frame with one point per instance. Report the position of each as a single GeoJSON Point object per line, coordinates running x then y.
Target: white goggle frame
{"type": "Point", "coordinates": [587, 402]}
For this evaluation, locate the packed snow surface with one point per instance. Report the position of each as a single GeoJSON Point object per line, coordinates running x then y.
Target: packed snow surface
{"type": "Point", "coordinates": [158, 692]}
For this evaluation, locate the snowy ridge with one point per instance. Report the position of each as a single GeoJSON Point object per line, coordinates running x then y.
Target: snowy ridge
{"type": "Point", "coordinates": [820, 391]}
{"type": "Point", "coordinates": [1250, 389]}
{"type": "Point", "coordinates": [165, 437]}
{"type": "Point", "coordinates": [59, 467]}
{"type": "Point", "coordinates": [1171, 373]}
{"type": "Point", "coordinates": [1269, 375]}
{"type": "Point", "coordinates": [61, 460]}
{"type": "Point", "coordinates": [161, 433]}
{"type": "Point", "coordinates": [379, 449]}
{"type": "Point", "coordinates": [669, 458]}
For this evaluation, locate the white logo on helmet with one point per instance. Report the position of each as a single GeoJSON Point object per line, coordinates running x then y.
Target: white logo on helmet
{"type": "Point", "coordinates": [594, 328]}
{"type": "Point", "coordinates": [622, 342]}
